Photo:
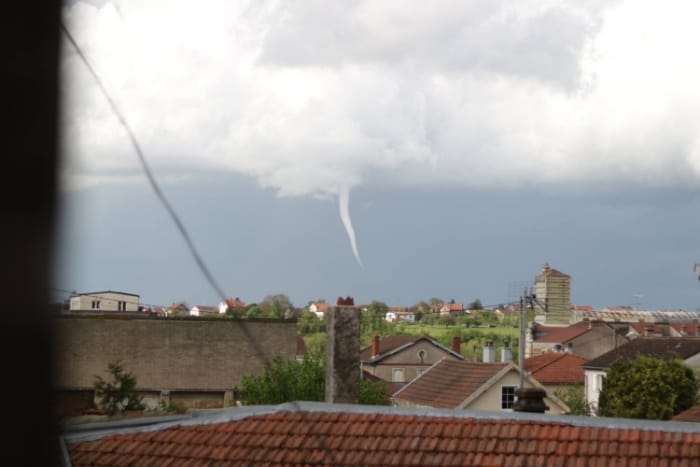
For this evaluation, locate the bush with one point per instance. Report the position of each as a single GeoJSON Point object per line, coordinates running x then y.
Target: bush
{"type": "Point", "coordinates": [119, 393]}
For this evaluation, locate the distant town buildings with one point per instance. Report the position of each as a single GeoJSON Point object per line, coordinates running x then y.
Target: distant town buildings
{"type": "Point", "coordinates": [107, 300]}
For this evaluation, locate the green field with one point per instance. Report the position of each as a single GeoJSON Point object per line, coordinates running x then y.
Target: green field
{"type": "Point", "coordinates": [473, 338]}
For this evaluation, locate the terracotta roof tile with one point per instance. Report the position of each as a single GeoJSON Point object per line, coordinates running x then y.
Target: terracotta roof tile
{"type": "Point", "coordinates": [448, 383]}
{"type": "Point", "coordinates": [690, 415]}
{"type": "Point", "coordinates": [332, 438]}
{"type": "Point", "coordinates": [556, 368]}
{"type": "Point", "coordinates": [559, 334]}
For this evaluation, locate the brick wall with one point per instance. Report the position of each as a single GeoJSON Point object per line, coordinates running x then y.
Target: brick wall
{"type": "Point", "coordinates": [178, 354]}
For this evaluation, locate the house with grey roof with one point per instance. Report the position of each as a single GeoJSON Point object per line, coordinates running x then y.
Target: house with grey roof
{"type": "Point", "coordinates": [399, 359]}
{"type": "Point", "coordinates": [685, 348]}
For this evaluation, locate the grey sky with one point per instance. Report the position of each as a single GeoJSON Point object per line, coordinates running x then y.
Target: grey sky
{"type": "Point", "coordinates": [583, 114]}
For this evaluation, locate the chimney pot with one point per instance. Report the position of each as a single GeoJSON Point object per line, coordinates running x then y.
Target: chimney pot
{"type": "Point", "coordinates": [457, 344]}
{"type": "Point", "coordinates": [375, 345]}
{"type": "Point", "coordinates": [530, 400]}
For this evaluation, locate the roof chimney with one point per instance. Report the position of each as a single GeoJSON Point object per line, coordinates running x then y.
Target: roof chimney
{"type": "Point", "coordinates": [530, 400]}
{"type": "Point", "coordinates": [375, 345]}
{"type": "Point", "coordinates": [489, 355]}
{"type": "Point", "coordinates": [457, 344]}
{"type": "Point", "coordinates": [343, 355]}
{"type": "Point", "coordinates": [506, 354]}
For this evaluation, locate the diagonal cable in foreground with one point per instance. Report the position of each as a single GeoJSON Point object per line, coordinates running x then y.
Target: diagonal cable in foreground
{"type": "Point", "coordinates": [319, 439]}
{"type": "Point", "coordinates": [151, 179]}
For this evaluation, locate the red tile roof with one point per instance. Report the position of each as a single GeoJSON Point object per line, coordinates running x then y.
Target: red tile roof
{"type": "Point", "coordinates": [556, 368]}
{"type": "Point", "coordinates": [448, 383]}
{"type": "Point", "coordinates": [358, 436]}
{"type": "Point", "coordinates": [235, 303]}
{"type": "Point", "coordinates": [690, 415]}
{"type": "Point", "coordinates": [547, 271]}
{"type": "Point", "coordinates": [559, 334]}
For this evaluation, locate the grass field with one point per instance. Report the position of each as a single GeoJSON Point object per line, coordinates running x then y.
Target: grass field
{"type": "Point", "coordinates": [473, 339]}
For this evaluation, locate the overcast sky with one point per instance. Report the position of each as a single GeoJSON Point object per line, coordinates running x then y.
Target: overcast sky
{"type": "Point", "coordinates": [385, 150]}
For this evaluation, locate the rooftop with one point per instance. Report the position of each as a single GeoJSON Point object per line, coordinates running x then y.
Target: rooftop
{"type": "Point", "coordinates": [556, 368]}
{"type": "Point", "coordinates": [306, 433]}
{"type": "Point", "coordinates": [657, 347]}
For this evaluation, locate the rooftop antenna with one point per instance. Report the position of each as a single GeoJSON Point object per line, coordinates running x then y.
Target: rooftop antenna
{"type": "Point", "coordinates": [638, 300]}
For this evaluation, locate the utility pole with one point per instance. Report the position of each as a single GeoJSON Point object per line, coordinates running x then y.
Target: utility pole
{"type": "Point", "coordinates": [527, 302]}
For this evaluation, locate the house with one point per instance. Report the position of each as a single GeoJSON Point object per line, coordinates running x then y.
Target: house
{"type": "Point", "coordinates": [178, 309]}
{"type": "Point", "coordinates": [454, 384]}
{"type": "Point", "coordinates": [556, 370]}
{"type": "Point", "coordinates": [106, 300]}
{"type": "Point", "coordinates": [452, 309]}
{"type": "Point", "coordinates": [231, 303]}
{"type": "Point", "coordinates": [401, 358]}
{"type": "Point", "coordinates": [319, 309]}
{"type": "Point", "coordinates": [399, 313]}
{"type": "Point", "coordinates": [627, 314]}
{"type": "Point", "coordinates": [203, 310]}
{"type": "Point", "coordinates": [663, 329]}
{"type": "Point", "coordinates": [685, 348]}
{"type": "Point", "coordinates": [588, 339]}
{"type": "Point", "coordinates": [324, 434]}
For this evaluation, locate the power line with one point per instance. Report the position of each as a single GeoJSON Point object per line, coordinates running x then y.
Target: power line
{"type": "Point", "coordinates": [146, 168]}
{"type": "Point", "coordinates": [178, 222]}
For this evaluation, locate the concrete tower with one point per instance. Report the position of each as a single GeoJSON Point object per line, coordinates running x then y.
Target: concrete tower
{"type": "Point", "coordinates": [553, 291]}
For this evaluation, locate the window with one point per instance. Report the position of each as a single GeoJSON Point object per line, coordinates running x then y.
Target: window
{"type": "Point", "coordinates": [397, 375]}
{"type": "Point", "coordinates": [121, 306]}
{"type": "Point", "coordinates": [507, 397]}
{"type": "Point", "coordinates": [421, 355]}
{"type": "Point", "coordinates": [95, 304]}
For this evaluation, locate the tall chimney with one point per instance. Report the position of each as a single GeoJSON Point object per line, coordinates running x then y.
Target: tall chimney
{"type": "Point", "coordinates": [375, 345]}
{"type": "Point", "coordinates": [343, 355]}
{"type": "Point", "coordinates": [506, 354]}
{"type": "Point", "coordinates": [457, 344]}
{"type": "Point", "coordinates": [489, 354]}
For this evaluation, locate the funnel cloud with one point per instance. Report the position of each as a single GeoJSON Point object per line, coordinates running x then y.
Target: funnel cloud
{"type": "Point", "coordinates": [344, 208]}
{"type": "Point", "coordinates": [306, 97]}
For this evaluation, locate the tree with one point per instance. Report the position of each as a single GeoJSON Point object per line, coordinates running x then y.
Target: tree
{"type": "Point", "coordinates": [575, 398]}
{"type": "Point", "coordinates": [276, 306]}
{"type": "Point", "coordinates": [475, 305]}
{"type": "Point", "coordinates": [286, 380]}
{"type": "Point", "coordinates": [120, 392]}
{"type": "Point", "coordinates": [648, 388]}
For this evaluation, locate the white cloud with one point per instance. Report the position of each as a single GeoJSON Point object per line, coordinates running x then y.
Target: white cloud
{"type": "Point", "coordinates": [316, 97]}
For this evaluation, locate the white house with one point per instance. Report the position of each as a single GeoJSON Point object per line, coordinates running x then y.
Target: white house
{"type": "Point", "coordinates": [685, 348]}
{"type": "Point", "coordinates": [319, 309]}
{"type": "Point", "coordinates": [107, 300]}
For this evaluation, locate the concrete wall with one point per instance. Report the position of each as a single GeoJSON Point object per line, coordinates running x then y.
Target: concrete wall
{"type": "Point", "coordinates": [204, 357]}
{"type": "Point", "coordinates": [598, 340]}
